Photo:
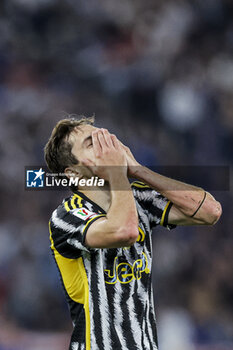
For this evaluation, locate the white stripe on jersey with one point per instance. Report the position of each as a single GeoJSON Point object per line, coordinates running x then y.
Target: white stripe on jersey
{"type": "Point", "coordinates": [153, 195]}
{"type": "Point", "coordinates": [146, 343]}
{"type": "Point", "coordinates": [146, 323]}
{"type": "Point", "coordinates": [74, 346]}
{"type": "Point", "coordinates": [134, 324]}
{"type": "Point", "coordinates": [104, 313]}
{"type": "Point", "coordinates": [148, 308]}
{"type": "Point", "coordinates": [77, 346]}
{"type": "Point", "coordinates": [87, 265]}
{"type": "Point", "coordinates": [144, 217]}
{"type": "Point", "coordinates": [118, 315]}
{"type": "Point", "coordinates": [152, 307]}
{"type": "Point", "coordinates": [159, 202]}
{"type": "Point", "coordinates": [62, 224]}
{"type": "Point", "coordinates": [149, 328]}
{"type": "Point", "coordinates": [153, 219]}
{"type": "Point", "coordinates": [75, 243]}
{"type": "Point", "coordinates": [89, 206]}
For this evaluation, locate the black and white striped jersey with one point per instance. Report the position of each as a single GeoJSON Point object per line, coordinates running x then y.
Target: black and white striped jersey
{"type": "Point", "coordinates": [109, 291]}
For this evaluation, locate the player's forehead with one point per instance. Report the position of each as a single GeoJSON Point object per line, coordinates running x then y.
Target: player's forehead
{"type": "Point", "coordinates": [80, 133]}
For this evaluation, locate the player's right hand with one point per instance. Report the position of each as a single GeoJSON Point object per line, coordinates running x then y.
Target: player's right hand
{"type": "Point", "coordinates": [132, 164]}
{"type": "Point", "coordinates": [110, 158]}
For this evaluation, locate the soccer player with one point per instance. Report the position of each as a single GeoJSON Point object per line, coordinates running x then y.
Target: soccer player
{"type": "Point", "coordinates": [101, 239]}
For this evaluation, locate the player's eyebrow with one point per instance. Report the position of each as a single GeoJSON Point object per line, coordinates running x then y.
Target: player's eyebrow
{"type": "Point", "coordinates": [88, 138]}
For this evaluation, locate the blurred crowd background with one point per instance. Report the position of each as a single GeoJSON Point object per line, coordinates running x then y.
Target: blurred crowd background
{"type": "Point", "coordinates": [159, 74]}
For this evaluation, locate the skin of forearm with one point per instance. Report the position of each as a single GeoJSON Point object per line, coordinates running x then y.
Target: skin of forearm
{"type": "Point", "coordinates": [184, 196]}
{"type": "Point", "coordinates": [122, 212]}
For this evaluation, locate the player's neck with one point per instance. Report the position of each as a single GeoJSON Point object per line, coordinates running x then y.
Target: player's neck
{"type": "Point", "coordinates": [102, 196]}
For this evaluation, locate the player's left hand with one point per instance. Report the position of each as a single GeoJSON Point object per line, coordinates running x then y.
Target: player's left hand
{"type": "Point", "coordinates": [132, 164]}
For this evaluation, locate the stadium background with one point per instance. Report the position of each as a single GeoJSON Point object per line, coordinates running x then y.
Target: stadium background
{"type": "Point", "coordinates": [160, 75]}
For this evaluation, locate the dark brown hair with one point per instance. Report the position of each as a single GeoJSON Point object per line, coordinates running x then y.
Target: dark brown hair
{"type": "Point", "coordinates": [58, 150]}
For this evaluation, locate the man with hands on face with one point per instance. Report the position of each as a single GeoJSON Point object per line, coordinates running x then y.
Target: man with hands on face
{"type": "Point", "coordinates": [107, 159]}
{"type": "Point", "coordinates": [101, 238]}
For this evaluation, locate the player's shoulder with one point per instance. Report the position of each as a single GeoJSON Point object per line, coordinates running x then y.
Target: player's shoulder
{"type": "Point", "coordinates": [143, 192]}
{"type": "Point", "coordinates": [60, 212]}
{"type": "Point", "coordinates": [73, 206]}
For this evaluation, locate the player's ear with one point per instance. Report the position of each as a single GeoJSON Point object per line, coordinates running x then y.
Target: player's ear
{"type": "Point", "coordinates": [71, 172]}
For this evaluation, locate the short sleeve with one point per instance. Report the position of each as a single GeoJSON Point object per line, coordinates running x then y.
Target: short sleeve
{"type": "Point", "coordinates": [155, 205]}
{"type": "Point", "coordinates": [68, 228]}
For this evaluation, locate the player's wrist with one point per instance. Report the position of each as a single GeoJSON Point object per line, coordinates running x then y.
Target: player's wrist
{"type": "Point", "coordinates": [135, 170]}
{"type": "Point", "coordinates": [118, 179]}
{"type": "Point", "coordinates": [118, 173]}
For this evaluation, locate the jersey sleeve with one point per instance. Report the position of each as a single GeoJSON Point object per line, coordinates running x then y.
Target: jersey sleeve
{"type": "Point", "coordinates": [68, 228]}
{"type": "Point", "coordinates": [155, 205]}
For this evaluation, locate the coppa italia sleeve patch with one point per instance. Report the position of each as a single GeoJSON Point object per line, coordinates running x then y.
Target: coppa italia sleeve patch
{"type": "Point", "coordinates": [82, 213]}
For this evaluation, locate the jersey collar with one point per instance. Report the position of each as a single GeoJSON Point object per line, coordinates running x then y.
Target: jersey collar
{"type": "Point", "coordinates": [90, 201]}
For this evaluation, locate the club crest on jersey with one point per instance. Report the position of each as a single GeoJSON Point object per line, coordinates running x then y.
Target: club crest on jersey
{"type": "Point", "coordinates": [82, 213]}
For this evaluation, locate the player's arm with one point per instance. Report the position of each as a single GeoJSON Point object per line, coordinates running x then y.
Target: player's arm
{"type": "Point", "coordinates": [120, 226]}
{"type": "Point", "coordinates": [191, 205]}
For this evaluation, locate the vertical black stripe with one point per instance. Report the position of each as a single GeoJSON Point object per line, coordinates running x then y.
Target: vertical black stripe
{"type": "Point", "coordinates": [69, 205]}
{"type": "Point", "coordinates": [153, 325]}
{"type": "Point", "coordinates": [79, 333]}
{"type": "Point", "coordinates": [139, 310]}
{"type": "Point", "coordinates": [115, 342]}
{"type": "Point", "coordinates": [96, 302]}
{"type": "Point", "coordinates": [152, 315]}
{"type": "Point", "coordinates": [126, 324]}
{"type": "Point", "coordinates": [147, 330]}
{"type": "Point", "coordinates": [76, 202]}
{"type": "Point", "coordinates": [111, 294]}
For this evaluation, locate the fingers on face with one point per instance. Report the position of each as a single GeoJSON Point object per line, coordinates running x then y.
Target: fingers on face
{"type": "Point", "coordinates": [104, 138]}
{"type": "Point", "coordinates": [103, 141]}
{"type": "Point", "coordinates": [115, 141]}
{"type": "Point", "coordinates": [107, 137]}
{"type": "Point", "coordinates": [96, 143]}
